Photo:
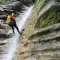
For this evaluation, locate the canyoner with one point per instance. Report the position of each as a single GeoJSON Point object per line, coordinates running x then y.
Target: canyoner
{"type": "Point", "coordinates": [14, 40]}
{"type": "Point", "coordinates": [12, 23]}
{"type": "Point", "coordinates": [11, 44]}
{"type": "Point", "coordinates": [40, 39]}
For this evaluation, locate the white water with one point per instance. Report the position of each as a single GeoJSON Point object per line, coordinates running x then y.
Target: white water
{"type": "Point", "coordinates": [14, 39]}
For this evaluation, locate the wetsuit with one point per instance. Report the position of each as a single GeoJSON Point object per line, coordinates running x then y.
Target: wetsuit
{"type": "Point", "coordinates": [9, 22]}
{"type": "Point", "coordinates": [14, 24]}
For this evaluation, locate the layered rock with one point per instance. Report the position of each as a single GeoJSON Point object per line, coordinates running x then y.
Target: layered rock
{"type": "Point", "coordinates": [5, 37]}
{"type": "Point", "coordinates": [46, 43]}
{"type": "Point", "coordinates": [40, 40]}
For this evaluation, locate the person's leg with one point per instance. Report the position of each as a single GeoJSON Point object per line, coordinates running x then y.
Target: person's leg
{"type": "Point", "coordinates": [11, 27]}
{"type": "Point", "coordinates": [17, 29]}
{"type": "Point", "coordinates": [15, 25]}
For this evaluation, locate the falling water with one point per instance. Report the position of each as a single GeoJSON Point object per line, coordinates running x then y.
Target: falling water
{"type": "Point", "coordinates": [15, 38]}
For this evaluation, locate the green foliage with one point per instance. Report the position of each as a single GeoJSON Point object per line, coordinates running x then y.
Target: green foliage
{"type": "Point", "coordinates": [48, 18]}
{"type": "Point", "coordinates": [39, 5]}
{"type": "Point", "coordinates": [1, 1]}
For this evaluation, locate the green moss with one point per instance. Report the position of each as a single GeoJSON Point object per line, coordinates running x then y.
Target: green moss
{"type": "Point", "coordinates": [39, 5]}
{"type": "Point", "coordinates": [1, 1]}
{"type": "Point", "coordinates": [47, 19]}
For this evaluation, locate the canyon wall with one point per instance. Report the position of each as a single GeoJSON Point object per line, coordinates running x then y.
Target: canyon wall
{"type": "Point", "coordinates": [41, 37]}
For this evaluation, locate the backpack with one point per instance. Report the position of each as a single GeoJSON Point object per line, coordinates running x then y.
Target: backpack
{"type": "Point", "coordinates": [8, 19]}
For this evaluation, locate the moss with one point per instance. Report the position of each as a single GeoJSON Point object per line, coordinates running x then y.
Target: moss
{"type": "Point", "coordinates": [1, 1]}
{"type": "Point", "coordinates": [39, 5]}
{"type": "Point", "coordinates": [49, 18]}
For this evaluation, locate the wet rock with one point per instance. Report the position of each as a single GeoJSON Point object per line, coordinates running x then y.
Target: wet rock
{"type": "Point", "coordinates": [46, 43]}
{"type": "Point", "coordinates": [27, 2]}
{"type": "Point", "coordinates": [11, 6]}
{"type": "Point", "coordinates": [42, 30]}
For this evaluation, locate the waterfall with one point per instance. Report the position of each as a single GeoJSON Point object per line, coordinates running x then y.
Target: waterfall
{"type": "Point", "coordinates": [15, 38]}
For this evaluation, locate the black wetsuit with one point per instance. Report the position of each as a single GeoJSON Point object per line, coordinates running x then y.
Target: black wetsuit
{"type": "Point", "coordinates": [13, 24]}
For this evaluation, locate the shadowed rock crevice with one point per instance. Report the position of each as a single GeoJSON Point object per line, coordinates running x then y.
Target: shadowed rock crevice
{"type": "Point", "coordinates": [27, 2]}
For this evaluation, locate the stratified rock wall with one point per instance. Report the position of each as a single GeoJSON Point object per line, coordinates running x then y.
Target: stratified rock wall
{"type": "Point", "coordinates": [40, 40]}
{"type": "Point", "coordinates": [46, 43]}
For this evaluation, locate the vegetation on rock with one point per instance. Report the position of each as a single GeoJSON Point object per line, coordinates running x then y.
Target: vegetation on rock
{"type": "Point", "coordinates": [1, 1]}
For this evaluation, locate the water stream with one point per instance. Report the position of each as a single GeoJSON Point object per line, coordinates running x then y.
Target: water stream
{"type": "Point", "coordinates": [14, 40]}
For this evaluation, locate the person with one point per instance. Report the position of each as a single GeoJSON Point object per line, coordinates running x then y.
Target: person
{"type": "Point", "coordinates": [12, 22]}
{"type": "Point", "coordinates": [9, 22]}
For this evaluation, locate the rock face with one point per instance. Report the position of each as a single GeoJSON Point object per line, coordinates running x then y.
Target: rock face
{"type": "Point", "coordinates": [7, 8]}
{"type": "Point", "coordinates": [41, 38]}
{"type": "Point", "coordinates": [6, 37]}
{"type": "Point", "coordinates": [3, 30]}
{"type": "Point", "coordinates": [27, 2]}
{"type": "Point", "coordinates": [46, 43]}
